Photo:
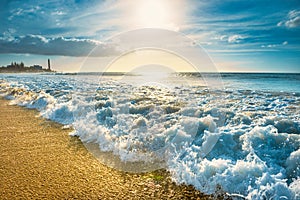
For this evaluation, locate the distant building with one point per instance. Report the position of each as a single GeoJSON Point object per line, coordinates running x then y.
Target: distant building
{"type": "Point", "coordinates": [37, 67]}
{"type": "Point", "coordinates": [49, 67]}
{"type": "Point", "coordinates": [15, 67]}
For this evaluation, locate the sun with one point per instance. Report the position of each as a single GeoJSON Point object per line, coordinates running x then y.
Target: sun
{"type": "Point", "coordinates": [164, 14]}
{"type": "Point", "coordinates": [155, 14]}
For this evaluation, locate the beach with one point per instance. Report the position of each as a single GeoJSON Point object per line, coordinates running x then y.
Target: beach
{"type": "Point", "coordinates": [63, 135]}
{"type": "Point", "coordinates": [40, 160]}
{"type": "Point", "coordinates": [150, 100]}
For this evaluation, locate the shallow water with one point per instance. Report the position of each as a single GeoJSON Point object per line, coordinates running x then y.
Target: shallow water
{"type": "Point", "coordinates": [240, 134]}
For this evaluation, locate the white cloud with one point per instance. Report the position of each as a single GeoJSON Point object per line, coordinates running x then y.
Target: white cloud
{"type": "Point", "coordinates": [295, 22]}
{"type": "Point", "coordinates": [201, 37]}
{"type": "Point", "coordinates": [8, 35]}
{"type": "Point", "coordinates": [36, 44]}
{"type": "Point", "coordinates": [275, 45]}
{"type": "Point", "coordinates": [281, 23]}
{"type": "Point", "coordinates": [292, 21]}
{"type": "Point", "coordinates": [18, 12]}
{"type": "Point", "coordinates": [58, 12]}
{"type": "Point", "coordinates": [294, 13]}
{"type": "Point", "coordinates": [235, 38]}
{"type": "Point", "coordinates": [221, 37]}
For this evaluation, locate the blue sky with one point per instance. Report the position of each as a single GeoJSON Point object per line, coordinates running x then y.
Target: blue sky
{"type": "Point", "coordinates": [248, 35]}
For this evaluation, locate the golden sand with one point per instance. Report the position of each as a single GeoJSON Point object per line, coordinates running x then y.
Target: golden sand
{"type": "Point", "coordinates": [39, 160]}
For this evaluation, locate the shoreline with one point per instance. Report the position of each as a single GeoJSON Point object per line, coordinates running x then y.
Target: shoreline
{"type": "Point", "coordinates": [40, 160]}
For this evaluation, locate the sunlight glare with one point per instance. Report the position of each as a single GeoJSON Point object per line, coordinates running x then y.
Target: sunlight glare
{"type": "Point", "coordinates": [152, 74]}
{"type": "Point", "coordinates": [152, 13]}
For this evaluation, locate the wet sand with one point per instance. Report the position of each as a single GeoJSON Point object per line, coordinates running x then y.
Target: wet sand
{"type": "Point", "coordinates": [39, 160]}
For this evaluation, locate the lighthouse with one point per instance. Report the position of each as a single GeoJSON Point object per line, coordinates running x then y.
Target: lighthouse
{"type": "Point", "coordinates": [49, 67]}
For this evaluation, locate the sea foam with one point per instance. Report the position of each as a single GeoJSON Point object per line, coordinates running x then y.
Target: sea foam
{"type": "Point", "coordinates": [245, 144]}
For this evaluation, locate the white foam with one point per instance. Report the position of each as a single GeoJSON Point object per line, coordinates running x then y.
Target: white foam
{"type": "Point", "coordinates": [293, 164]}
{"type": "Point", "coordinates": [240, 145]}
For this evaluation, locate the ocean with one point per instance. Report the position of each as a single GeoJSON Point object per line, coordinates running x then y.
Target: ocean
{"type": "Point", "coordinates": [238, 133]}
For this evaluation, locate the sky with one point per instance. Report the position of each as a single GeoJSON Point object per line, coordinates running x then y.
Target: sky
{"type": "Point", "coordinates": [239, 36]}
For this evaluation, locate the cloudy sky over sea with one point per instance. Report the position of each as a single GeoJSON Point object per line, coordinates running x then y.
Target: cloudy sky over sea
{"type": "Point", "coordinates": [238, 35]}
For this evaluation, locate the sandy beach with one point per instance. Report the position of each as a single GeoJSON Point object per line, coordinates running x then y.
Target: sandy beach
{"type": "Point", "coordinates": [40, 160]}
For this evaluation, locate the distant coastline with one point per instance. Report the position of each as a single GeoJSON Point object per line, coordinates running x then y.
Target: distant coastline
{"type": "Point", "coordinates": [15, 67]}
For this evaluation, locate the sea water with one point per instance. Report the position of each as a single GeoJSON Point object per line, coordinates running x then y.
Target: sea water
{"type": "Point", "coordinates": [243, 140]}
